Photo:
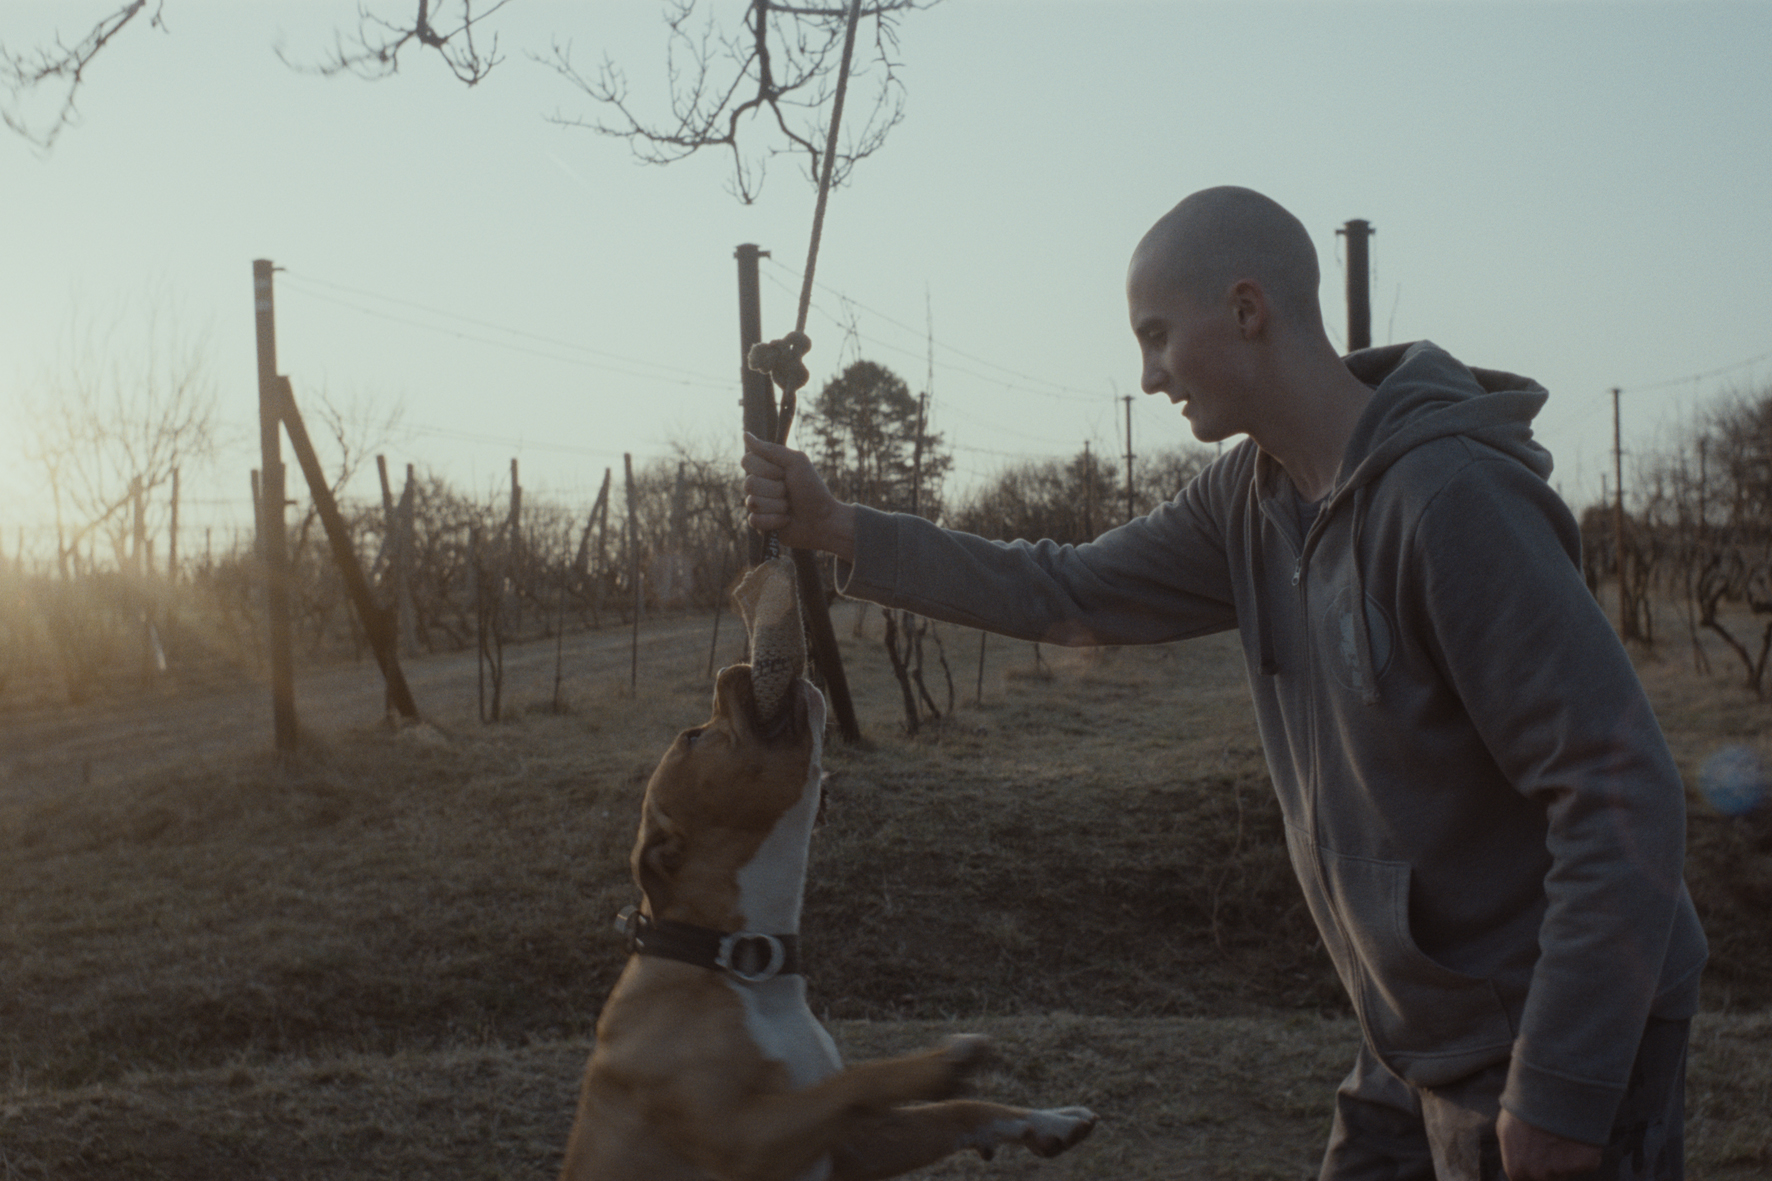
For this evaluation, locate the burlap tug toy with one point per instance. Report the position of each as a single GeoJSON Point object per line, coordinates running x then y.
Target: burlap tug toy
{"type": "Point", "coordinates": [767, 595]}
{"type": "Point", "coordinates": [771, 610]}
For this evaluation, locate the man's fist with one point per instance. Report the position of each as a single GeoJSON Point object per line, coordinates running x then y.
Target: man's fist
{"type": "Point", "coordinates": [784, 495]}
{"type": "Point", "coordinates": [1533, 1154]}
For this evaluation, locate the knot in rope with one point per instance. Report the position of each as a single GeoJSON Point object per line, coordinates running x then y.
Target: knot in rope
{"type": "Point", "coordinates": [780, 359]}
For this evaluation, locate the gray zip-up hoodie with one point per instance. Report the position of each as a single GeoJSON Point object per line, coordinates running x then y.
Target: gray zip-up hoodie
{"type": "Point", "coordinates": [1485, 818]}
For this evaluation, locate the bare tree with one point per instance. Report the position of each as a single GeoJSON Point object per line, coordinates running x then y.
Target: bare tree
{"type": "Point", "coordinates": [113, 421]}
{"type": "Point", "coordinates": [779, 66]}
{"type": "Point", "coordinates": [58, 67]}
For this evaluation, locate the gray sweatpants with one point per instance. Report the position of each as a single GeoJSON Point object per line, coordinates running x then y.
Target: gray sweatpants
{"type": "Point", "coordinates": [1387, 1130]}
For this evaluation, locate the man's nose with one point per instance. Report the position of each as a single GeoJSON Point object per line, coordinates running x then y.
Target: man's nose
{"type": "Point", "coordinates": [1153, 380]}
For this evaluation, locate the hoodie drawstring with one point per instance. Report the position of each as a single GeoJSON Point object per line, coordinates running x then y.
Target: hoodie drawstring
{"type": "Point", "coordinates": [1362, 625]}
{"type": "Point", "coordinates": [1264, 638]}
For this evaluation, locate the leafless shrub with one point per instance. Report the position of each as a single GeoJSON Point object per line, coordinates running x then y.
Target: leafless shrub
{"type": "Point", "coordinates": [1075, 500]}
{"type": "Point", "coordinates": [1699, 527]}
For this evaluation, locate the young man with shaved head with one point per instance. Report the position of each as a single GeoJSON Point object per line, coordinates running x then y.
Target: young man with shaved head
{"type": "Point", "coordinates": [1479, 805]}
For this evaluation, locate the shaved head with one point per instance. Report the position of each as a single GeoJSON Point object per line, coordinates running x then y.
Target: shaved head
{"type": "Point", "coordinates": [1218, 237]}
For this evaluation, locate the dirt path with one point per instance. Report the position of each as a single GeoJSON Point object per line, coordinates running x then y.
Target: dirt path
{"type": "Point", "coordinates": [47, 748]}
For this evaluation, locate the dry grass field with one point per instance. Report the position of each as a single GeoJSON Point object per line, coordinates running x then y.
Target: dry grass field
{"type": "Point", "coordinates": [386, 960]}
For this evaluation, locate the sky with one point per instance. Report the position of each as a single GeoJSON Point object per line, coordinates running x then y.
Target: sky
{"type": "Point", "coordinates": [1577, 191]}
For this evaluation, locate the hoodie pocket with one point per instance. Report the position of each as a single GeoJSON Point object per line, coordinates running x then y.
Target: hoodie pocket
{"type": "Point", "coordinates": [1429, 1023]}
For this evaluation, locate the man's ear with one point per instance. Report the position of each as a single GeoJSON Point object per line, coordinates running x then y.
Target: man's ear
{"type": "Point", "coordinates": [1250, 306]}
{"type": "Point", "coordinates": [658, 855]}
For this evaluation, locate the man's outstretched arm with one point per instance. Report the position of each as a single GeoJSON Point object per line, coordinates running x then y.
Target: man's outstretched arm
{"type": "Point", "coordinates": [784, 495]}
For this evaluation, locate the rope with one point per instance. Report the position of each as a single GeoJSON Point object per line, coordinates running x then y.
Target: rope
{"type": "Point", "coordinates": [781, 359]}
{"type": "Point", "coordinates": [830, 159]}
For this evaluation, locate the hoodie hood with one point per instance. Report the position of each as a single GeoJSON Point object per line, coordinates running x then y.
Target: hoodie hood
{"type": "Point", "coordinates": [1423, 394]}
{"type": "Point", "coordinates": [1420, 394]}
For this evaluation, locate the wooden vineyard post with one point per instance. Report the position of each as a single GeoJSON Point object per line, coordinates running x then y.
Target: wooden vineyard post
{"type": "Point", "coordinates": [141, 569]}
{"type": "Point", "coordinates": [634, 572]}
{"type": "Point", "coordinates": [403, 565]}
{"type": "Point", "coordinates": [602, 543]}
{"type": "Point", "coordinates": [581, 564]}
{"type": "Point", "coordinates": [759, 397]}
{"type": "Point", "coordinates": [1359, 283]}
{"type": "Point", "coordinates": [397, 546]}
{"type": "Point", "coordinates": [560, 630]}
{"type": "Point", "coordinates": [515, 565]}
{"type": "Point", "coordinates": [390, 537]}
{"type": "Point", "coordinates": [760, 419]}
{"type": "Point", "coordinates": [273, 544]}
{"type": "Point", "coordinates": [1129, 509]}
{"type": "Point", "coordinates": [172, 536]}
{"type": "Point", "coordinates": [377, 623]}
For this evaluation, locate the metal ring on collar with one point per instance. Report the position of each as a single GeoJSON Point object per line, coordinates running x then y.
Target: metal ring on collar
{"type": "Point", "coordinates": [631, 924]}
{"type": "Point", "coordinates": [778, 956]}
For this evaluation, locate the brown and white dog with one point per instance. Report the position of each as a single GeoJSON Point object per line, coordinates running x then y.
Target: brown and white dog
{"type": "Point", "coordinates": [708, 1062]}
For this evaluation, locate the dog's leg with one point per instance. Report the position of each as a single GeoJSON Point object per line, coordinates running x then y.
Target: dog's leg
{"type": "Point", "coordinates": [907, 1138]}
{"type": "Point", "coordinates": [778, 1136]}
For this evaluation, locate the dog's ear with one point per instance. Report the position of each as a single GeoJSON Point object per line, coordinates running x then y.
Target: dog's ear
{"type": "Point", "coordinates": [657, 857]}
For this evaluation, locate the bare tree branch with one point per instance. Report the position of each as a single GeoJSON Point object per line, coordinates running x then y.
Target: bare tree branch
{"type": "Point", "coordinates": [445, 27]}
{"type": "Point", "coordinates": [373, 52]}
{"type": "Point", "coordinates": [782, 63]}
{"type": "Point", "coordinates": [23, 74]}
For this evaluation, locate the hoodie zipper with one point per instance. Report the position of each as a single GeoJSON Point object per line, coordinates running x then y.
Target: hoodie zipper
{"type": "Point", "coordinates": [1285, 523]}
{"type": "Point", "coordinates": [1313, 766]}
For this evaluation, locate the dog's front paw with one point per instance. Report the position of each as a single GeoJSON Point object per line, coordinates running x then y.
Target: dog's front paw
{"type": "Point", "coordinates": [1051, 1132]}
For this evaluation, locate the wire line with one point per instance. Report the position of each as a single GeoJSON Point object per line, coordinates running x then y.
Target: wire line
{"type": "Point", "coordinates": [1709, 373]}
{"type": "Point", "coordinates": [673, 373]}
{"type": "Point", "coordinates": [1058, 389]}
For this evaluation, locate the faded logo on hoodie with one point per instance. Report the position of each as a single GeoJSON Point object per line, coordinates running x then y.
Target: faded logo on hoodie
{"type": "Point", "coordinates": [1344, 638]}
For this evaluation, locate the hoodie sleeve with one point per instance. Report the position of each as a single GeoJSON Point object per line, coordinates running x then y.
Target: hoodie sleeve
{"type": "Point", "coordinates": [1161, 577]}
{"type": "Point", "coordinates": [1557, 703]}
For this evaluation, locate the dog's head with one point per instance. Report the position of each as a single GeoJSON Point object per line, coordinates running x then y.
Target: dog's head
{"type": "Point", "coordinates": [728, 813]}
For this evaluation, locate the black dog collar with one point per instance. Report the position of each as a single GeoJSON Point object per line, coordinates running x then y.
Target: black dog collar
{"type": "Point", "coordinates": [746, 955]}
